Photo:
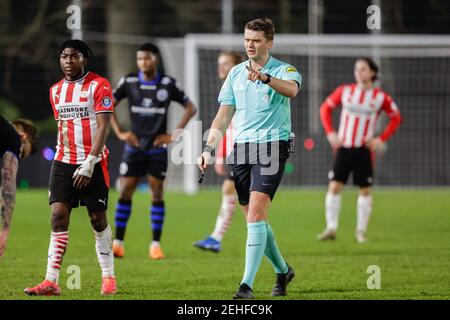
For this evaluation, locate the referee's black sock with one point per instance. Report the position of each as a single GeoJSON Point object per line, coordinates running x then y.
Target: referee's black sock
{"type": "Point", "coordinates": [123, 211]}
{"type": "Point", "coordinates": [157, 212]}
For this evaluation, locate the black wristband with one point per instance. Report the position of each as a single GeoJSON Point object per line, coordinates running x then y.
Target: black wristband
{"type": "Point", "coordinates": [268, 78]}
{"type": "Point", "coordinates": [208, 149]}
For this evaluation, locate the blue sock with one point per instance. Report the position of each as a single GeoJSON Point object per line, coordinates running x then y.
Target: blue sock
{"type": "Point", "coordinates": [157, 212]}
{"type": "Point", "coordinates": [123, 211]}
{"type": "Point", "coordinates": [254, 251]}
{"type": "Point", "coordinates": [273, 253]}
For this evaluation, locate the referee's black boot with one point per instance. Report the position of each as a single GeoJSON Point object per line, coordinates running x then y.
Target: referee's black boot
{"type": "Point", "coordinates": [282, 281]}
{"type": "Point", "coordinates": [244, 292]}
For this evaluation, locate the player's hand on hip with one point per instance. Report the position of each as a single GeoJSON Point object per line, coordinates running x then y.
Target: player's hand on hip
{"type": "Point", "coordinates": [3, 240]}
{"type": "Point", "coordinates": [162, 140]}
{"type": "Point", "coordinates": [83, 173]}
{"type": "Point", "coordinates": [130, 138]}
{"type": "Point", "coordinates": [374, 144]}
{"type": "Point", "coordinates": [334, 140]}
{"type": "Point", "coordinates": [203, 161]}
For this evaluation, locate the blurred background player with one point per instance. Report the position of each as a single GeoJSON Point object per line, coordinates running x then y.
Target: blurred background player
{"type": "Point", "coordinates": [82, 104]}
{"type": "Point", "coordinates": [225, 61]}
{"type": "Point", "coordinates": [354, 144]}
{"type": "Point", "coordinates": [149, 94]}
{"type": "Point", "coordinates": [17, 141]}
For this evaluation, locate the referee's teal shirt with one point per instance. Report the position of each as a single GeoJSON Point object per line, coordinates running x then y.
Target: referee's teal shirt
{"type": "Point", "coordinates": [262, 114]}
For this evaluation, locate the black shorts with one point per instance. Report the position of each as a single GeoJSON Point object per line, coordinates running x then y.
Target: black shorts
{"type": "Point", "coordinates": [258, 167]}
{"type": "Point", "coordinates": [229, 172]}
{"type": "Point", "coordinates": [139, 163]}
{"type": "Point", "coordinates": [94, 196]}
{"type": "Point", "coordinates": [356, 160]}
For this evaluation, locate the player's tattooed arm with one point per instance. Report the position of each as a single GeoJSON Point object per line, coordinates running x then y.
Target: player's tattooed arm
{"type": "Point", "coordinates": [8, 190]}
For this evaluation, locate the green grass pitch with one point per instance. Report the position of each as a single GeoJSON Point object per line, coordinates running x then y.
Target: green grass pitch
{"type": "Point", "coordinates": [409, 238]}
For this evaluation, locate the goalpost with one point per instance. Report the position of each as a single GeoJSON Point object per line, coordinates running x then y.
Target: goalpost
{"type": "Point", "coordinates": [414, 69]}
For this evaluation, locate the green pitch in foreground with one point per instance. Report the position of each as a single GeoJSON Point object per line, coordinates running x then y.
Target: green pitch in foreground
{"type": "Point", "coordinates": [409, 240]}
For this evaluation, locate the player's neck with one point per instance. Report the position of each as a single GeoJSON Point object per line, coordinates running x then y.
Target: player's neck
{"type": "Point", "coordinates": [260, 62]}
{"type": "Point", "coordinates": [75, 77]}
{"type": "Point", "coordinates": [366, 85]}
{"type": "Point", "coordinates": [149, 76]}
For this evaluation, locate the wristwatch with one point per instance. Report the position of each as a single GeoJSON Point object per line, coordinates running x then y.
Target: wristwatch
{"type": "Point", "coordinates": [268, 78]}
{"type": "Point", "coordinates": [208, 149]}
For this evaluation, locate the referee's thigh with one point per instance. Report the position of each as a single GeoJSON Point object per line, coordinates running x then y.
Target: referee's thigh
{"type": "Point", "coordinates": [242, 182]}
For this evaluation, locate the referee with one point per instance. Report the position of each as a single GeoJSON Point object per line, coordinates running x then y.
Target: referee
{"type": "Point", "coordinates": [257, 93]}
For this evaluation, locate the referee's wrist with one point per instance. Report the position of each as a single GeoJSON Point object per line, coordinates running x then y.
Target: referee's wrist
{"type": "Point", "coordinates": [209, 149]}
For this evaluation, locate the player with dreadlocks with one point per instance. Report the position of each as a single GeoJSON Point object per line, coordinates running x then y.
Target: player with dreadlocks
{"type": "Point", "coordinates": [82, 105]}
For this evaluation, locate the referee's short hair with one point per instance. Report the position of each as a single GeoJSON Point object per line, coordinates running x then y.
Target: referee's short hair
{"type": "Point", "coordinates": [266, 25]}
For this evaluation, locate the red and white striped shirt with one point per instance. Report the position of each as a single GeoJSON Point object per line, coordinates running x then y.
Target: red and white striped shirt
{"type": "Point", "coordinates": [360, 111]}
{"type": "Point", "coordinates": [75, 105]}
{"type": "Point", "coordinates": [225, 145]}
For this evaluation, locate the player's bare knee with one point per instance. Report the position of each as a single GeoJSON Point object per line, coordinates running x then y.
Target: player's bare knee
{"type": "Point", "coordinates": [335, 187]}
{"type": "Point", "coordinates": [98, 221]}
{"type": "Point", "coordinates": [157, 194]}
{"type": "Point", "coordinates": [365, 191]}
{"type": "Point", "coordinates": [59, 220]}
{"type": "Point", "coordinates": [127, 193]}
{"type": "Point", "coordinates": [228, 187]}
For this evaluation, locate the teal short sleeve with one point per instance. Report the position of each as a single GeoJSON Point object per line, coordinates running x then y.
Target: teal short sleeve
{"type": "Point", "coordinates": [290, 73]}
{"type": "Point", "coordinates": [226, 95]}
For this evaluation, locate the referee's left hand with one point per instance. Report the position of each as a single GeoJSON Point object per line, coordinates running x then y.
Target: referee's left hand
{"type": "Point", "coordinates": [203, 161]}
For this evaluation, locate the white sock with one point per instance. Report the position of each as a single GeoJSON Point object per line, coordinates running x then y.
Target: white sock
{"type": "Point", "coordinates": [332, 210]}
{"type": "Point", "coordinates": [224, 217]}
{"type": "Point", "coordinates": [155, 244]}
{"type": "Point", "coordinates": [363, 211]}
{"type": "Point", "coordinates": [103, 246]}
{"type": "Point", "coordinates": [56, 250]}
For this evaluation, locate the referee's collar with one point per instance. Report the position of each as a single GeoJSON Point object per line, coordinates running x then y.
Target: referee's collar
{"type": "Point", "coordinates": [268, 64]}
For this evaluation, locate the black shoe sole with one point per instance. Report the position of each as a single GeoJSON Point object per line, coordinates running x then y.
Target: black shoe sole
{"type": "Point", "coordinates": [288, 281]}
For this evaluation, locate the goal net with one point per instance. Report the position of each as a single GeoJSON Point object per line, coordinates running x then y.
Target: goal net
{"type": "Point", "coordinates": [414, 69]}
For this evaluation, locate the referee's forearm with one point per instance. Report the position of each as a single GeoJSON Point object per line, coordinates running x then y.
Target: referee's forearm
{"type": "Point", "coordinates": [218, 126]}
{"type": "Point", "coordinates": [286, 88]}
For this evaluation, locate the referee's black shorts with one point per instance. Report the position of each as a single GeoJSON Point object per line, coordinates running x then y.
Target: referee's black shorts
{"type": "Point", "coordinates": [258, 167]}
{"type": "Point", "coordinates": [356, 160]}
{"type": "Point", "coordinates": [94, 196]}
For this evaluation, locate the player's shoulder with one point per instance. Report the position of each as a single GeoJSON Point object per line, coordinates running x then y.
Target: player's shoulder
{"type": "Point", "coordinates": [131, 77]}
{"type": "Point", "coordinates": [167, 80]}
{"type": "Point", "coordinates": [56, 85]}
{"type": "Point", "coordinates": [382, 92]}
{"type": "Point", "coordinates": [346, 86]}
{"type": "Point", "coordinates": [93, 77]}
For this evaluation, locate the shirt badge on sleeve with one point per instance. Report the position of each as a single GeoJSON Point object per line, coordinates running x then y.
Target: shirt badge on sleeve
{"type": "Point", "coordinates": [106, 102]}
